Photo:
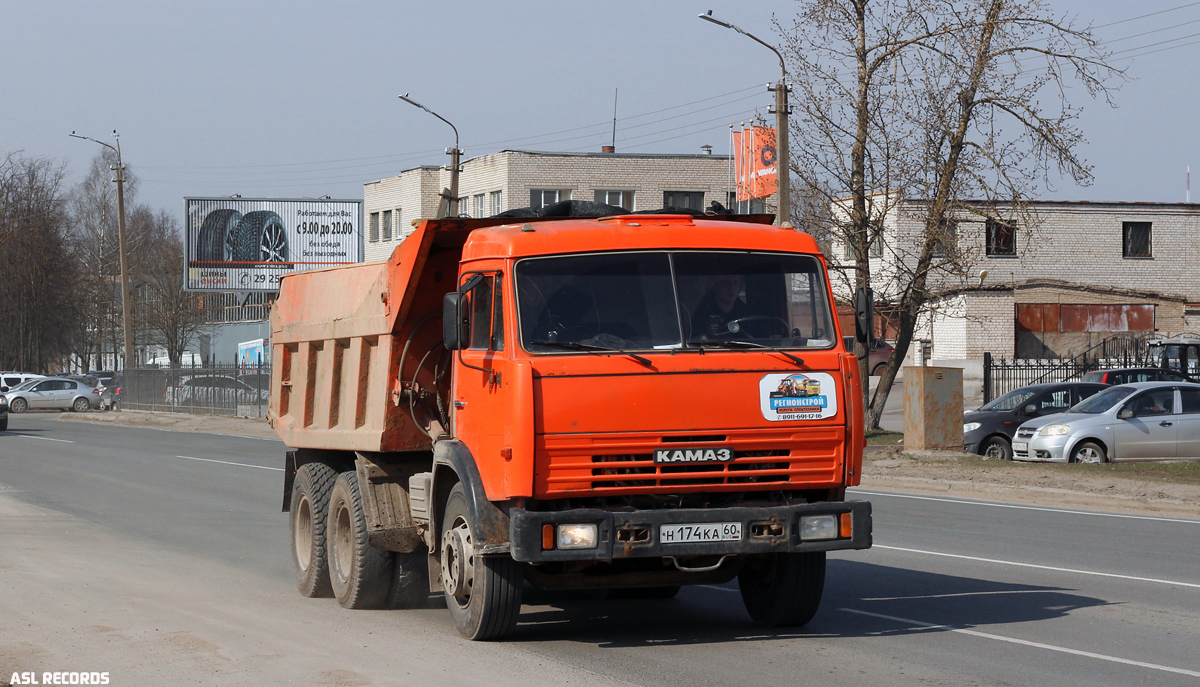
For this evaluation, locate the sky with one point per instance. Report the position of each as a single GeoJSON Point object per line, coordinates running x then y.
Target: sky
{"type": "Point", "coordinates": [299, 99]}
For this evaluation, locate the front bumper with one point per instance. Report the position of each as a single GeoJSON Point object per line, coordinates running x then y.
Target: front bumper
{"type": "Point", "coordinates": [1052, 449]}
{"type": "Point", "coordinates": [634, 534]}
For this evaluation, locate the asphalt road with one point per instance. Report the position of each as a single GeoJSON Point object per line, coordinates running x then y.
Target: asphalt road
{"type": "Point", "coordinates": [162, 558]}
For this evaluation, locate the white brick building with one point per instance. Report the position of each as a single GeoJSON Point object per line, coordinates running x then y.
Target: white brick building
{"type": "Point", "coordinates": [1077, 273]}
{"type": "Point", "coordinates": [511, 179]}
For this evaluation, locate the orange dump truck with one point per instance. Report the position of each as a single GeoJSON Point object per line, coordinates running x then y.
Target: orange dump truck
{"type": "Point", "coordinates": [631, 403]}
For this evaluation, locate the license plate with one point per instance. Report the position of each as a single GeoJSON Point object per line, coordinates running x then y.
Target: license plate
{"type": "Point", "coordinates": [700, 532]}
{"type": "Point", "coordinates": [1020, 446]}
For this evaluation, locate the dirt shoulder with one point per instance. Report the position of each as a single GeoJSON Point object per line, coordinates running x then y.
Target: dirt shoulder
{"type": "Point", "coordinates": [179, 422]}
{"type": "Point", "coordinates": [1163, 489]}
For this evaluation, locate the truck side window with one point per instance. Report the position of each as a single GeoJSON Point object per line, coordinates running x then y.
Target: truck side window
{"type": "Point", "coordinates": [487, 315]}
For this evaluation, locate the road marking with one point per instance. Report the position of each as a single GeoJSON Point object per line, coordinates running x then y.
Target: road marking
{"type": "Point", "coordinates": [992, 504]}
{"type": "Point", "coordinates": [226, 462]}
{"type": "Point", "coordinates": [31, 436]}
{"type": "Point", "coordinates": [1024, 642]}
{"type": "Point", "coordinates": [1039, 567]}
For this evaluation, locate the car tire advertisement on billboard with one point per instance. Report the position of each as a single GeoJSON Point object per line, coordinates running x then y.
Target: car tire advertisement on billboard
{"type": "Point", "coordinates": [248, 244]}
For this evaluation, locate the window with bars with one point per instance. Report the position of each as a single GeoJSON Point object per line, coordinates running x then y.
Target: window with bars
{"type": "Point", "coordinates": [1001, 238]}
{"type": "Point", "coordinates": [1136, 242]}
{"type": "Point", "coordinates": [622, 199]}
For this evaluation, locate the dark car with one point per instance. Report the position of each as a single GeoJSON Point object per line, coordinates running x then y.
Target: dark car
{"type": "Point", "coordinates": [110, 394]}
{"type": "Point", "coordinates": [1133, 374]}
{"type": "Point", "coordinates": [989, 430]}
{"type": "Point", "coordinates": [3, 414]}
{"type": "Point", "coordinates": [881, 352]}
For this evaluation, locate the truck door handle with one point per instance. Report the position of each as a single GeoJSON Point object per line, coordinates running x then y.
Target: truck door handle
{"type": "Point", "coordinates": [1164, 423]}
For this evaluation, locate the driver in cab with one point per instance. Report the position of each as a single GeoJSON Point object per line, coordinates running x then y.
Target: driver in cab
{"type": "Point", "coordinates": [720, 306]}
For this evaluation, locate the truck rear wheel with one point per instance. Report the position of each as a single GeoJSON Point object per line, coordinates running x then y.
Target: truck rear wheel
{"type": "Point", "coordinates": [783, 589]}
{"type": "Point", "coordinates": [309, 508]}
{"type": "Point", "coordinates": [361, 575]}
{"type": "Point", "coordinates": [483, 593]}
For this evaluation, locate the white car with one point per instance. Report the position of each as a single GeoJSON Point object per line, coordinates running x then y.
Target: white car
{"type": "Point", "coordinates": [52, 392]}
{"type": "Point", "coordinates": [12, 380]}
{"type": "Point", "coordinates": [1140, 421]}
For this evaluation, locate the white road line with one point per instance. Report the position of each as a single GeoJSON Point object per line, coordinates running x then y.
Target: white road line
{"type": "Point", "coordinates": [30, 436]}
{"type": "Point", "coordinates": [1023, 642]}
{"type": "Point", "coordinates": [992, 504]}
{"type": "Point", "coordinates": [226, 462]}
{"type": "Point", "coordinates": [1038, 567]}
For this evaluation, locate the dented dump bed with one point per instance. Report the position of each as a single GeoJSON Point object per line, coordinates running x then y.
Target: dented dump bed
{"type": "Point", "coordinates": [337, 338]}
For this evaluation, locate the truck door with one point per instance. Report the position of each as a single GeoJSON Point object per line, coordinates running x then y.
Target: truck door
{"type": "Point", "coordinates": [479, 387]}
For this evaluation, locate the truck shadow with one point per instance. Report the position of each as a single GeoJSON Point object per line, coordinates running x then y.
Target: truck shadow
{"type": "Point", "coordinates": [704, 615]}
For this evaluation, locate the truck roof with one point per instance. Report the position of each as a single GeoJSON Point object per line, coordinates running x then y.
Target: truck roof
{"type": "Point", "coordinates": [522, 238]}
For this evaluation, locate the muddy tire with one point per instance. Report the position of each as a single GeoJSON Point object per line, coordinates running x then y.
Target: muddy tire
{"type": "Point", "coordinates": [361, 575]}
{"type": "Point", "coordinates": [483, 593]}
{"type": "Point", "coordinates": [218, 233]}
{"type": "Point", "coordinates": [783, 589]}
{"type": "Point", "coordinates": [18, 405]}
{"type": "Point", "coordinates": [308, 512]}
{"type": "Point", "coordinates": [410, 580]}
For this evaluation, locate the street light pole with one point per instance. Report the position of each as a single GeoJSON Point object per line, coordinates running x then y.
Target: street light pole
{"type": "Point", "coordinates": [782, 158]}
{"type": "Point", "coordinates": [126, 319]}
{"type": "Point", "coordinates": [449, 195]}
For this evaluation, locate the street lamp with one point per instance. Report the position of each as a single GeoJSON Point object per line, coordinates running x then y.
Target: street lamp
{"type": "Point", "coordinates": [119, 168]}
{"type": "Point", "coordinates": [782, 159]}
{"type": "Point", "coordinates": [449, 195]}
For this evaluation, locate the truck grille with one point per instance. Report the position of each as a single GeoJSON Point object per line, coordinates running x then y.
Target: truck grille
{"type": "Point", "coordinates": [761, 460]}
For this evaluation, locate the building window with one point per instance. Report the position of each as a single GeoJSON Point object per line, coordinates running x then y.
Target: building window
{"type": "Point", "coordinates": [877, 246]}
{"type": "Point", "coordinates": [374, 227]}
{"type": "Point", "coordinates": [386, 225]}
{"type": "Point", "coordinates": [622, 199]}
{"type": "Point", "coordinates": [497, 202]}
{"type": "Point", "coordinates": [399, 224]}
{"type": "Point", "coordinates": [541, 197]}
{"type": "Point", "coordinates": [685, 200]}
{"type": "Point", "coordinates": [1001, 238]}
{"type": "Point", "coordinates": [1137, 240]}
{"type": "Point", "coordinates": [944, 242]}
{"type": "Point", "coordinates": [480, 205]}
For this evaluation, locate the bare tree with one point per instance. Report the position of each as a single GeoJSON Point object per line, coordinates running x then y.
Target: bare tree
{"type": "Point", "coordinates": [168, 315]}
{"type": "Point", "coordinates": [937, 110]}
{"type": "Point", "coordinates": [38, 313]}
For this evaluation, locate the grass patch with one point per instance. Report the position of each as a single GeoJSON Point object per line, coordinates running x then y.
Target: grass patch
{"type": "Point", "coordinates": [881, 437]}
{"type": "Point", "coordinates": [1183, 472]}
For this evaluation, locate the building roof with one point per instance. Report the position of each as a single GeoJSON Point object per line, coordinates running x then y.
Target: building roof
{"type": "Point", "coordinates": [550, 153]}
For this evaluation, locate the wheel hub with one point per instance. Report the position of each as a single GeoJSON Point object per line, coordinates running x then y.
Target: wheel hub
{"type": "Point", "coordinates": [458, 562]}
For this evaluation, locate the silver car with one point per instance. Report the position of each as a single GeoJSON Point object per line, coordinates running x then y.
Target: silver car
{"type": "Point", "coordinates": [1142, 421]}
{"type": "Point", "coordinates": [53, 392]}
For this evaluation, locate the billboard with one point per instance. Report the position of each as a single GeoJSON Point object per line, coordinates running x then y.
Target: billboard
{"type": "Point", "coordinates": [248, 244]}
{"type": "Point", "coordinates": [253, 354]}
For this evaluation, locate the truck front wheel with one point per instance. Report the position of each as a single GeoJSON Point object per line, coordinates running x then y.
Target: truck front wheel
{"type": "Point", "coordinates": [309, 508]}
{"type": "Point", "coordinates": [361, 574]}
{"type": "Point", "coordinates": [783, 589]}
{"type": "Point", "coordinates": [483, 593]}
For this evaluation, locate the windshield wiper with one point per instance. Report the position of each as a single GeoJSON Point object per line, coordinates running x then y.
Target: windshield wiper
{"type": "Point", "coordinates": [590, 348]}
{"type": "Point", "coordinates": [736, 343]}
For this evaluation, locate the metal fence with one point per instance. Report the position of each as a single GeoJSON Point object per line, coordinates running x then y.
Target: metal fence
{"type": "Point", "coordinates": [1002, 375]}
{"type": "Point", "coordinates": [236, 391]}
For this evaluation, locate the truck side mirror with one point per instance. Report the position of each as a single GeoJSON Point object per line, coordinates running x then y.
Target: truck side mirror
{"type": "Point", "coordinates": [451, 325]}
{"type": "Point", "coordinates": [864, 315]}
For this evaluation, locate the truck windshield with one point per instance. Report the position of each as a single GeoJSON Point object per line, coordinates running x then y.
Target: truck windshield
{"type": "Point", "coordinates": [667, 300]}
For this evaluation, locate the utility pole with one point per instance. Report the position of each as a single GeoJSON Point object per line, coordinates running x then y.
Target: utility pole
{"type": "Point", "coordinates": [126, 319]}
{"type": "Point", "coordinates": [782, 158]}
{"type": "Point", "coordinates": [450, 195]}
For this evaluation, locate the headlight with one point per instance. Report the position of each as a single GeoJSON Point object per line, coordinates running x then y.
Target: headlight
{"type": "Point", "coordinates": [814, 527]}
{"type": "Point", "coordinates": [1054, 430]}
{"type": "Point", "coordinates": [971, 427]}
{"type": "Point", "coordinates": [577, 536]}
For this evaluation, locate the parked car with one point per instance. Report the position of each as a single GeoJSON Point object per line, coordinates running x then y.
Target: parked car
{"type": "Point", "coordinates": [3, 413]}
{"type": "Point", "coordinates": [989, 430]}
{"type": "Point", "coordinates": [881, 352]}
{"type": "Point", "coordinates": [110, 394]}
{"type": "Point", "coordinates": [216, 391]}
{"type": "Point", "coordinates": [12, 380]}
{"type": "Point", "coordinates": [53, 392]}
{"type": "Point", "coordinates": [1139, 421]}
{"type": "Point", "coordinates": [1133, 374]}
